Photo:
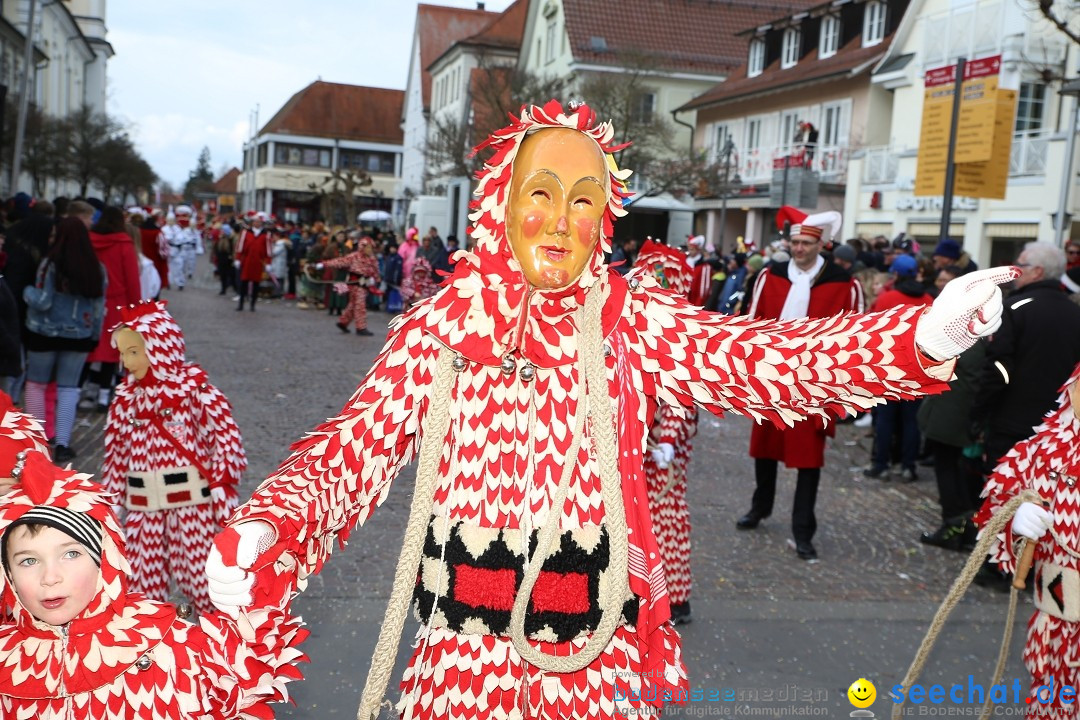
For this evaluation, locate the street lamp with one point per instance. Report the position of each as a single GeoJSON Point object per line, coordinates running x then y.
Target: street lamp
{"type": "Point", "coordinates": [1069, 89]}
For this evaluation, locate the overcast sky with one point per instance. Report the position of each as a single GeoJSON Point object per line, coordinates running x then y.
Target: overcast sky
{"type": "Point", "coordinates": [189, 74]}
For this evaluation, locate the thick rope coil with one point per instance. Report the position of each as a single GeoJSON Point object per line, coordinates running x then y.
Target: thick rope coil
{"type": "Point", "coordinates": [615, 592]}
{"type": "Point", "coordinates": [436, 424]}
{"type": "Point", "coordinates": [960, 585]}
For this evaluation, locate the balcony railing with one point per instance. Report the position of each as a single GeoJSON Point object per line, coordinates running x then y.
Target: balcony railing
{"type": "Point", "coordinates": [829, 161]}
{"type": "Point", "coordinates": [1028, 155]}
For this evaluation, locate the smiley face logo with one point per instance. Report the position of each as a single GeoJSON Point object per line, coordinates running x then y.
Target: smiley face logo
{"type": "Point", "coordinates": [862, 693]}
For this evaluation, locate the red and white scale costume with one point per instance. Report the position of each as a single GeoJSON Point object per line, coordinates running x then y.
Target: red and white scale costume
{"type": "Point", "coordinates": [1048, 463]}
{"type": "Point", "coordinates": [128, 658]}
{"type": "Point", "coordinates": [507, 443]}
{"type": "Point", "coordinates": [173, 543]}
{"type": "Point", "coordinates": [363, 271]}
{"type": "Point", "coordinates": [675, 426]}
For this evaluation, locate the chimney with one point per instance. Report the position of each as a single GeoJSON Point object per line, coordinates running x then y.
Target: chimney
{"type": "Point", "coordinates": [479, 4]}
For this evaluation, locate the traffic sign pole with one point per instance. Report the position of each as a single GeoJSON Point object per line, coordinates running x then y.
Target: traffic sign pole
{"type": "Point", "coordinates": [950, 163]}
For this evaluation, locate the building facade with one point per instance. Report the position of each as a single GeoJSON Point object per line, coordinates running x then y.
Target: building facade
{"type": "Point", "coordinates": [880, 192]}
{"type": "Point", "coordinates": [323, 131]}
{"type": "Point", "coordinates": [788, 120]}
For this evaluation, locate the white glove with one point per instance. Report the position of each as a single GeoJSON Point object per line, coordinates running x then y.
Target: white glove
{"type": "Point", "coordinates": [969, 307]}
{"type": "Point", "coordinates": [236, 264]}
{"type": "Point", "coordinates": [663, 455]}
{"type": "Point", "coordinates": [1032, 521]}
{"type": "Point", "coordinates": [230, 585]}
{"type": "Point", "coordinates": [267, 269]}
{"type": "Point", "coordinates": [318, 266]}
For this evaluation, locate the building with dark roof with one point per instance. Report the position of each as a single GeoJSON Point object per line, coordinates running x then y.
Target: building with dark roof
{"type": "Point", "coordinates": [323, 129]}
{"type": "Point", "coordinates": [802, 97]}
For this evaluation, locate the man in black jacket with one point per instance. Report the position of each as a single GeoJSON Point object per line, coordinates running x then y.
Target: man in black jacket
{"type": "Point", "coordinates": [1030, 356]}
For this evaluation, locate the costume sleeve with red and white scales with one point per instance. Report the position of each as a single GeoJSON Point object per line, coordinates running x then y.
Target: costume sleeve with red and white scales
{"type": "Point", "coordinates": [214, 419]}
{"type": "Point", "coordinates": [771, 371]}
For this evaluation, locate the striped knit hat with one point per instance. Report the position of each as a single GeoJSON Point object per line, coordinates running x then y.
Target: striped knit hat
{"type": "Point", "coordinates": [79, 527]}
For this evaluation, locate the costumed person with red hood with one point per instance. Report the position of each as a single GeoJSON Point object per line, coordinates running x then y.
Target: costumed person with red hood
{"type": "Point", "coordinates": [253, 249]}
{"type": "Point", "coordinates": [1047, 463]}
{"type": "Point", "coordinates": [670, 445]}
{"type": "Point", "coordinates": [173, 455]}
{"type": "Point", "coordinates": [18, 432]}
{"type": "Point", "coordinates": [523, 387]}
{"type": "Point", "coordinates": [185, 242]}
{"type": "Point", "coordinates": [155, 246]}
{"type": "Point", "coordinates": [76, 643]}
{"type": "Point", "coordinates": [806, 286]}
{"type": "Point", "coordinates": [363, 275]}
{"type": "Point", "coordinates": [420, 285]}
{"type": "Point", "coordinates": [701, 283]}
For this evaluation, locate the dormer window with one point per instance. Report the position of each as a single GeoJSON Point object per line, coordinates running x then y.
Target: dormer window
{"type": "Point", "coordinates": [873, 23]}
{"type": "Point", "coordinates": [789, 53]}
{"type": "Point", "coordinates": [756, 64]}
{"type": "Point", "coordinates": [830, 36]}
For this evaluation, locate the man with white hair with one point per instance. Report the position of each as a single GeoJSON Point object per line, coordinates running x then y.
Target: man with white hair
{"type": "Point", "coordinates": [808, 285]}
{"type": "Point", "coordinates": [184, 243]}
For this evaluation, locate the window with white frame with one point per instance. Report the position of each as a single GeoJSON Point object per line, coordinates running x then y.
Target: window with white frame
{"type": "Point", "coordinates": [873, 23]}
{"type": "Point", "coordinates": [549, 42]}
{"type": "Point", "coordinates": [644, 106]}
{"type": "Point", "coordinates": [789, 52]}
{"type": "Point", "coordinates": [834, 124]}
{"type": "Point", "coordinates": [721, 134]}
{"type": "Point", "coordinates": [830, 36]}
{"type": "Point", "coordinates": [789, 124]}
{"type": "Point", "coordinates": [756, 63]}
{"type": "Point", "coordinates": [1030, 107]}
{"type": "Point", "coordinates": [753, 134]}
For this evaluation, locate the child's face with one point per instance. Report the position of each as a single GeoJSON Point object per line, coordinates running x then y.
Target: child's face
{"type": "Point", "coordinates": [54, 575]}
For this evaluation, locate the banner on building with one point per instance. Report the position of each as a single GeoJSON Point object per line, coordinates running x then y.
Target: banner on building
{"type": "Point", "coordinates": [983, 134]}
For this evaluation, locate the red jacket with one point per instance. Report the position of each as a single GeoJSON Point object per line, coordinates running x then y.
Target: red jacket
{"type": "Point", "coordinates": [834, 291]}
{"type": "Point", "coordinates": [116, 251]}
{"type": "Point", "coordinates": [253, 252]}
{"type": "Point", "coordinates": [151, 248]}
{"type": "Point", "coordinates": [905, 291]}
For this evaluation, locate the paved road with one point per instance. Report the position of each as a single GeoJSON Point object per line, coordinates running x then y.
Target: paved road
{"type": "Point", "coordinates": [773, 630]}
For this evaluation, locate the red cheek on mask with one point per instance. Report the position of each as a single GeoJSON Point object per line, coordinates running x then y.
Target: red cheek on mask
{"type": "Point", "coordinates": [532, 223]}
{"type": "Point", "coordinates": [586, 230]}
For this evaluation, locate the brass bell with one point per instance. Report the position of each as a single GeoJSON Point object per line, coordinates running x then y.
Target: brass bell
{"type": "Point", "coordinates": [607, 350]}
{"type": "Point", "coordinates": [508, 365]}
{"type": "Point", "coordinates": [184, 611]}
{"type": "Point", "coordinates": [144, 662]}
{"type": "Point", "coordinates": [459, 363]}
{"type": "Point", "coordinates": [528, 372]}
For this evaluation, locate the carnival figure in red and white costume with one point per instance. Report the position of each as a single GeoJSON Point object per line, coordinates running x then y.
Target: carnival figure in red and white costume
{"type": "Point", "coordinates": [121, 656]}
{"type": "Point", "coordinates": [173, 454]}
{"type": "Point", "coordinates": [702, 269]}
{"type": "Point", "coordinates": [363, 274]}
{"type": "Point", "coordinates": [252, 252]}
{"type": "Point", "coordinates": [671, 435]}
{"type": "Point", "coordinates": [184, 242]}
{"type": "Point", "coordinates": [420, 284]}
{"type": "Point", "coordinates": [524, 387]}
{"type": "Point", "coordinates": [18, 432]}
{"type": "Point", "coordinates": [1048, 463]}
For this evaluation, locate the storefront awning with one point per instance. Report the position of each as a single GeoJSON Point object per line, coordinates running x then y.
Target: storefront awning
{"type": "Point", "coordinates": [934, 229]}
{"type": "Point", "coordinates": [662, 202]}
{"type": "Point", "coordinates": [1011, 230]}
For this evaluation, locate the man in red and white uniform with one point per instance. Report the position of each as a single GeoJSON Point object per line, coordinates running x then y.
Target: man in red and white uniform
{"type": "Point", "coordinates": [701, 282]}
{"type": "Point", "coordinates": [806, 286]}
{"type": "Point", "coordinates": [185, 242]}
{"type": "Point", "coordinates": [253, 249]}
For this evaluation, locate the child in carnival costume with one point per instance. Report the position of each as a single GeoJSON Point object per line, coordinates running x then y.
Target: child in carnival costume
{"type": "Point", "coordinates": [420, 285]}
{"type": "Point", "coordinates": [75, 643]}
{"type": "Point", "coordinates": [524, 387]}
{"type": "Point", "coordinates": [173, 454]}
{"type": "Point", "coordinates": [1049, 464]}
{"type": "Point", "coordinates": [670, 441]}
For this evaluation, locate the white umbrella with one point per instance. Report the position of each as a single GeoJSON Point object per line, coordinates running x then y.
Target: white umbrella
{"type": "Point", "coordinates": [373, 216]}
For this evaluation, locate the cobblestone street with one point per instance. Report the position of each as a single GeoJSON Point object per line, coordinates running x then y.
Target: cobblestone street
{"type": "Point", "coordinates": [763, 620]}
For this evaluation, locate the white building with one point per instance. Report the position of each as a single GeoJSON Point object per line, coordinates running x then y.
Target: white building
{"type": "Point", "coordinates": [323, 127]}
{"type": "Point", "coordinates": [880, 197]}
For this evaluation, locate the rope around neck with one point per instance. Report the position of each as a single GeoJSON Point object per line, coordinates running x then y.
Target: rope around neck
{"type": "Point", "coordinates": [960, 585]}
{"type": "Point", "coordinates": [613, 593]}
{"type": "Point", "coordinates": [436, 424]}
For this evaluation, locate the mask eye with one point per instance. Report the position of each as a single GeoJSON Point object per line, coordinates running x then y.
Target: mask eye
{"type": "Point", "coordinates": [540, 194]}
